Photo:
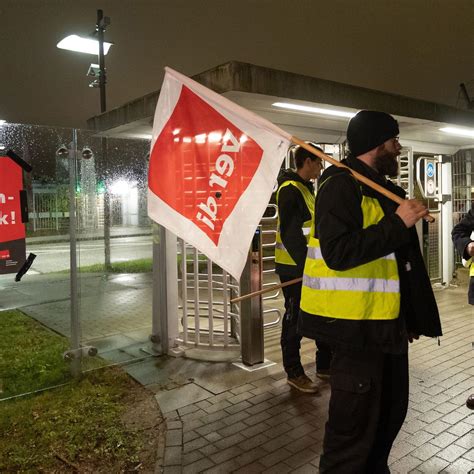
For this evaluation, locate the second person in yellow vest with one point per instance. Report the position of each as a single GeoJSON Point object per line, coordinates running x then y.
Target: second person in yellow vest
{"type": "Point", "coordinates": [295, 200]}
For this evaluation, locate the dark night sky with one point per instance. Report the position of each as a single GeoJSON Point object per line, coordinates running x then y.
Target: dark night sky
{"type": "Point", "coordinates": [416, 48]}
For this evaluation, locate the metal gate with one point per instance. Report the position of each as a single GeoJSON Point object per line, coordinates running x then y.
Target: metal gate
{"type": "Point", "coordinates": [207, 318]}
{"type": "Point", "coordinates": [463, 181]}
{"type": "Point", "coordinates": [50, 208]}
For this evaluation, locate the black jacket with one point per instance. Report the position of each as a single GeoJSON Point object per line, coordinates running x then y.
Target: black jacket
{"type": "Point", "coordinates": [461, 235]}
{"type": "Point", "coordinates": [293, 212]}
{"type": "Point", "coordinates": [345, 244]}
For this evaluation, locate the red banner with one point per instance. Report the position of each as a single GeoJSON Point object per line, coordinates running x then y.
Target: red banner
{"type": "Point", "coordinates": [12, 229]}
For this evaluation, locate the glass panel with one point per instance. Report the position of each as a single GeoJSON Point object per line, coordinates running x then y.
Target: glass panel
{"type": "Point", "coordinates": [35, 311]}
{"type": "Point", "coordinates": [114, 279]}
{"type": "Point", "coordinates": [114, 248]}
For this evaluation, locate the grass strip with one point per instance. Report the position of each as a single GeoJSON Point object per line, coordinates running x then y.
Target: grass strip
{"type": "Point", "coordinates": [78, 424]}
{"type": "Point", "coordinates": [30, 355]}
{"type": "Point", "coordinates": [78, 427]}
{"type": "Point", "coordinates": [143, 265]}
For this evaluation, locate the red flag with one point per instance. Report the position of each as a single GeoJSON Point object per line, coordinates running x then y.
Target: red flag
{"type": "Point", "coordinates": [213, 165]}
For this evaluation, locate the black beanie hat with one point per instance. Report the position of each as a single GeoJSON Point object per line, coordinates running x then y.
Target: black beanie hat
{"type": "Point", "coordinates": [368, 129]}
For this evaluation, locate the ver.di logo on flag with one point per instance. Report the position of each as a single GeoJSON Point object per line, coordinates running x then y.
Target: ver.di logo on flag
{"type": "Point", "coordinates": [217, 161]}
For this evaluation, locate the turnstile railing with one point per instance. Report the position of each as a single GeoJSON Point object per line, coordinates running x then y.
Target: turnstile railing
{"type": "Point", "coordinates": [206, 317]}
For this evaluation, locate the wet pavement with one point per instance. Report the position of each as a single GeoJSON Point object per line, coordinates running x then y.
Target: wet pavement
{"type": "Point", "coordinates": [223, 419]}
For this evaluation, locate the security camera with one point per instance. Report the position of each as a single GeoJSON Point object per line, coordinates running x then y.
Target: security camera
{"type": "Point", "coordinates": [94, 70]}
{"type": "Point", "coordinates": [62, 152]}
{"type": "Point", "coordinates": [87, 153]}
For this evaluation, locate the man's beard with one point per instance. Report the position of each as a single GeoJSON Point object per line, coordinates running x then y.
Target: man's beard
{"type": "Point", "coordinates": [387, 164]}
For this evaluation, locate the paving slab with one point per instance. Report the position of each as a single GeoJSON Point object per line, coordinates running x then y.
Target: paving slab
{"type": "Point", "coordinates": [180, 397]}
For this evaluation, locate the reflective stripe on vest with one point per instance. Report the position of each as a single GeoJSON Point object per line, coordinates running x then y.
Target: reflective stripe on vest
{"type": "Point", "coordinates": [366, 292]}
{"type": "Point", "coordinates": [281, 253]}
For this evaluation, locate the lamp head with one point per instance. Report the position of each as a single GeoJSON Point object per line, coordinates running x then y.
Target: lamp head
{"type": "Point", "coordinates": [83, 44]}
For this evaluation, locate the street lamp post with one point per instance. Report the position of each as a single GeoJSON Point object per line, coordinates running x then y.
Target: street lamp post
{"type": "Point", "coordinates": [102, 23]}
{"type": "Point", "coordinates": [95, 44]}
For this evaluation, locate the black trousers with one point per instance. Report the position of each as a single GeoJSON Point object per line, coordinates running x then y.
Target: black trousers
{"type": "Point", "coordinates": [290, 340]}
{"type": "Point", "coordinates": [369, 401]}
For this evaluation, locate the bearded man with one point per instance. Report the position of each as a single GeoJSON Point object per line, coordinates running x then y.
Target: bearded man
{"type": "Point", "coordinates": [366, 293]}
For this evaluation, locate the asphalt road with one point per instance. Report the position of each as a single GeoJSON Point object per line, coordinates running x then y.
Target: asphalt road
{"type": "Point", "coordinates": [53, 257]}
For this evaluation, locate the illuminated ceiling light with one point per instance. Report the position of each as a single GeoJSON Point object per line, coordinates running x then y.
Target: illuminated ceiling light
{"type": "Point", "coordinates": [2, 147]}
{"type": "Point", "coordinates": [82, 44]}
{"type": "Point", "coordinates": [313, 110]}
{"type": "Point", "coordinates": [2, 122]}
{"type": "Point", "coordinates": [176, 131]}
{"type": "Point", "coordinates": [460, 132]}
{"type": "Point", "coordinates": [187, 140]}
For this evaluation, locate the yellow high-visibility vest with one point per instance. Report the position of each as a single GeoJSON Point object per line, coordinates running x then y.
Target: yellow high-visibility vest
{"type": "Point", "coordinates": [281, 253]}
{"type": "Point", "coordinates": [367, 292]}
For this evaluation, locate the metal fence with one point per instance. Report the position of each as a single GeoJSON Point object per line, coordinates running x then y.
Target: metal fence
{"type": "Point", "coordinates": [463, 181]}
{"type": "Point", "coordinates": [49, 208]}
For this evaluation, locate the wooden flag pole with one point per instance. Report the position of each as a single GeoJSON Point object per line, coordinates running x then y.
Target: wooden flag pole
{"type": "Point", "coordinates": [266, 290]}
{"type": "Point", "coordinates": [356, 175]}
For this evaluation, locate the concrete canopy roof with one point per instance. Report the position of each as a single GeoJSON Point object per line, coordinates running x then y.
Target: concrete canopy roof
{"type": "Point", "coordinates": [257, 88]}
